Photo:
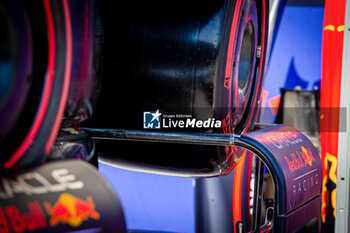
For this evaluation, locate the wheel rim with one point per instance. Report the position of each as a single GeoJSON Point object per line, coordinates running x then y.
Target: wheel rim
{"type": "Point", "coordinates": [244, 65]}
{"type": "Point", "coordinates": [246, 61]}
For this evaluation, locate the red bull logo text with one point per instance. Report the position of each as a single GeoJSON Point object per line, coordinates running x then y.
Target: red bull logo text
{"type": "Point", "coordinates": [299, 159]}
{"type": "Point", "coordinates": [71, 210]}
{"type": "Point", "coordinates": [13, 220]}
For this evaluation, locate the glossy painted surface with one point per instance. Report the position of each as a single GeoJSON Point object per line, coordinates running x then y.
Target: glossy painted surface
{"type": "Point", "coordinates": [60, 196]}
{"type": "Point", "coordinates": [299, 162]}
{"type": "Point", "coordinates": [305, 219]}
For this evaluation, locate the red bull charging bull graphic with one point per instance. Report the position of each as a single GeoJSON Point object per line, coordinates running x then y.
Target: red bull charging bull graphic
{"type": "Point", "coordinates": [71, 210]}
{"type": "Point", "coordinates": [299, 159]}
{"type": "Point", "coordinates": [64, 196]}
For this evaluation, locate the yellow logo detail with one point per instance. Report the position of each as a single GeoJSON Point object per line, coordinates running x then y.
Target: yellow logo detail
{"type": "Point", "coordinates": [307, 157]}
{"type": "Point", "coordinates": [340, 28]}
{"type": "Point", "coordinates": [71, 210]}
{"type": "Point", "coordinates": [329, 28]}
{"type": "Point", "coordinates": [330, 164]}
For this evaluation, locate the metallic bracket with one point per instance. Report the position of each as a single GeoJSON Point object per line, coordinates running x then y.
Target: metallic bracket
{"type": "Point", "coordinates": [163, 137]}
